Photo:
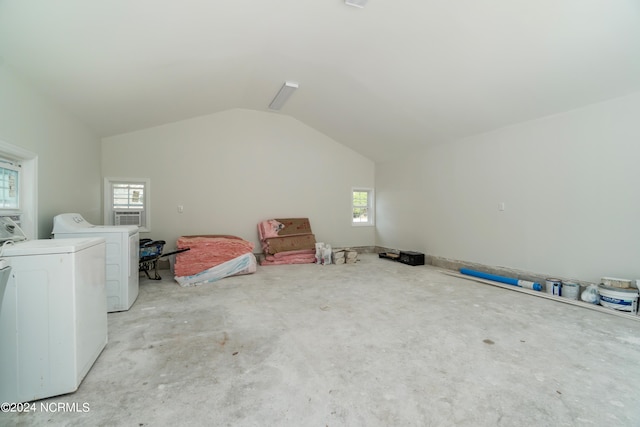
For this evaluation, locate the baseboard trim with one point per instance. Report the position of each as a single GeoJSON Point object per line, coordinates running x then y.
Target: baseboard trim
{"type": "Point", "coordinates": [452, 267]}
{"type": "Point", "coordinates": [538, 294]}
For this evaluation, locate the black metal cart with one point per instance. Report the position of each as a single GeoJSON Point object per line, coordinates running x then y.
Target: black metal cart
{"type": "Point", "coordinates": [150, 254]}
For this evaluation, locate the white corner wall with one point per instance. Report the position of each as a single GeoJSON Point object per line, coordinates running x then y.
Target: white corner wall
{"type": "Point", "coordinates": [68, 152]}
{"type": "Point", "coordinates": [233, 169]}
{"type": "Point", "coordinates": [569, 184]}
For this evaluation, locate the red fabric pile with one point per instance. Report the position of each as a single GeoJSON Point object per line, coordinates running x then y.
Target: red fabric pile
{"type": "Point", "coordinates": [207, 251]}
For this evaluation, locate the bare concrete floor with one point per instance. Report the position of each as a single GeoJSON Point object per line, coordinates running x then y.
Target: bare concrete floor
{"type": "Point", "coordinates": [377, 343]}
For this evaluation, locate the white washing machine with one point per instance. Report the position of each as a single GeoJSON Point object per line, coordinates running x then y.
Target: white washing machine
{"type": "Point", "coordinates": [123, 252]}
{"type": "Point", "coordinates": [53, 322]}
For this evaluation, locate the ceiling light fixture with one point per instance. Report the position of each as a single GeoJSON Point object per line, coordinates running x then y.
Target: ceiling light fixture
{"type": "Point", "coordinates": [283, 94]}
{"type": "Point", "coordinates": [356, 3]}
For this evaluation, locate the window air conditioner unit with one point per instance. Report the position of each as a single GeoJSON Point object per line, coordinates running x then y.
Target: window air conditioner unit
{"type": "Point", "coordinates": [128, 218]}
{"type": "Point", "coordinates": [15, 217]}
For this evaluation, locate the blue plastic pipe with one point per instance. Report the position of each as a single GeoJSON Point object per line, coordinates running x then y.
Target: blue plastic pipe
{"type": "Point", "coordinates": [508, 280]}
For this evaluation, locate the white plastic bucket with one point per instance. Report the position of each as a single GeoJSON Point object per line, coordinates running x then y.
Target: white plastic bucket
{"type": "Point", "coordinates": [553, 286]}
{"type": "Point", "coordinates": [618, 298]}
{"type": "Point", "coordinates": [570, 290]}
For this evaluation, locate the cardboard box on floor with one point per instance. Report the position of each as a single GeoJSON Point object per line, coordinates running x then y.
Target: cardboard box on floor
{"type": "Point", "coordinates": [345, 256]}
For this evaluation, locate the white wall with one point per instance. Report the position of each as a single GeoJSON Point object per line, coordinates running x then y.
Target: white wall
{"type": "Point", "coordinates": [569, 183]}
{"type": "Point", "coordinates": [68, 152]}
{"type": "Point", "coordinates": [233, 169]}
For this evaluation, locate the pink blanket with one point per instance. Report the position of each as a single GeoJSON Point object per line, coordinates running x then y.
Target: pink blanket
{"type": "Point", "coordinates": [208, 251]}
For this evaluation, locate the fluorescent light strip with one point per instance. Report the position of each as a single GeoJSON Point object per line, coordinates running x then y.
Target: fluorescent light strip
{"type": "Point", "coordinates": [283, 94]}
{"type": "Point", "coordinates": [356, 3]}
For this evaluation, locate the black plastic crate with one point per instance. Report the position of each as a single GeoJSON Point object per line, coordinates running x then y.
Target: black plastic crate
{"type": "Point", "coordinates": [411, 258]}
{"type": "Point", "coordinates": [405, 257]}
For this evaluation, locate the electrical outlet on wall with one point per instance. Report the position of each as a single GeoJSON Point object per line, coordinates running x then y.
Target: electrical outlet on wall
{"type": "Point", "coordinates": [501, 206]}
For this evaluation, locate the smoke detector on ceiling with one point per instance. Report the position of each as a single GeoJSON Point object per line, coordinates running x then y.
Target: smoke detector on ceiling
{"type": "Point", "coordinates": [356, 3]}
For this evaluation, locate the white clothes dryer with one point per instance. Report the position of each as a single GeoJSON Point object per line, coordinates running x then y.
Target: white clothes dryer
{"type": "Point", "coordinates": [53, 318]}
{"type": "Point", "coordinates": [5, 269]}
{"type": "Point", "coordinates": [123, 251]}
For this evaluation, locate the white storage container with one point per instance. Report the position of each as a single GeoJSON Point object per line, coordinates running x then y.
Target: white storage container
{"type": "Point", "coordinates": [618, 298]}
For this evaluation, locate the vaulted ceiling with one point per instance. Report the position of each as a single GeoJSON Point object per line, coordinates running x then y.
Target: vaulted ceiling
{"type": "Point", "coordinates": [393, 76]}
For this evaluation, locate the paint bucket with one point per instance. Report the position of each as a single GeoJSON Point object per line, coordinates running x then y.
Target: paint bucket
{"type": "Point", "coordinates": [618, 298]}
{"type": "Point", "coordinates": [553, 286]}
{"type": "Point", "coordinates": [570, 290]}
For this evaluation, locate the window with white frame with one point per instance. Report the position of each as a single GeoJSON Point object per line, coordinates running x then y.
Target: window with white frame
{"type": "Point", "coordinates": [9, 185]}
{"type": "Point", "coordinates": [127, 202]}
{"type": "Point", "coordinates": [19, 187]}
{"type": "Point", "coordinates": [362, 206]}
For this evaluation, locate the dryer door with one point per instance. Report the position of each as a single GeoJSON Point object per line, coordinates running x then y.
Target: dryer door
{"type": "Point", "coordinates": [134, 275]}
{"type": "Point", "coordinates": [134, 253]}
